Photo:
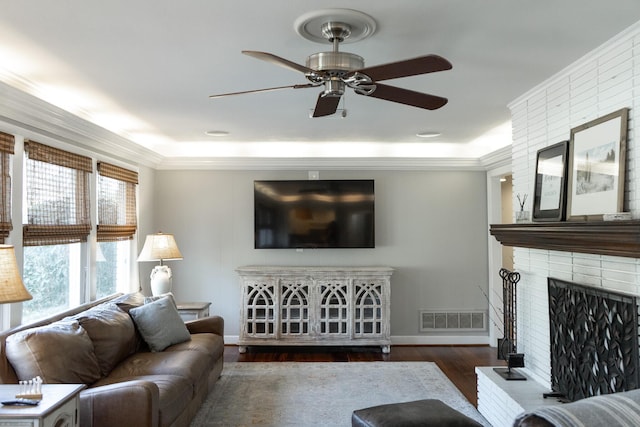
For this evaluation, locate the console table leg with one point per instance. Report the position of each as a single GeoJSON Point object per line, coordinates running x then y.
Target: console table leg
{"type": "Point", "coordinates": [242, 349]}
{"type": "Point", "coordinates": [386, 349]}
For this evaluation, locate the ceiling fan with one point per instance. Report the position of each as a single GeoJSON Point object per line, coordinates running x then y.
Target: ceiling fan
{"type": "Point", "coordinates": [337, 70]}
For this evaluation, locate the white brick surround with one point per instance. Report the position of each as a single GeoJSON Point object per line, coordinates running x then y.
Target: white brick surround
{"type": "Point", "coordinates": [603, 81]}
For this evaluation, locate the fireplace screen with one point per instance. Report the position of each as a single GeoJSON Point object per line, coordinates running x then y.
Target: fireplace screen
{"type": "Point", "coordinates": [594, 340]}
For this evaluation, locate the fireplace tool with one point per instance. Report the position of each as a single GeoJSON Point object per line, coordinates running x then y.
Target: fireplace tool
{"type": "Point", "coordinates": [507, 345]}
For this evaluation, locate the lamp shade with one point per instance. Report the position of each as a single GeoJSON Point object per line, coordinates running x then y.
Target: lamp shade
{"type": "Point", "coordinates": [11, 287]}
{"type": "Point", "coordinates": [160, 247]}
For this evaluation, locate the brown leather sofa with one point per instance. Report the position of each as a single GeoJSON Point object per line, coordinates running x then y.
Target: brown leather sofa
{"type": "Point", "coordinates": [127, 384]}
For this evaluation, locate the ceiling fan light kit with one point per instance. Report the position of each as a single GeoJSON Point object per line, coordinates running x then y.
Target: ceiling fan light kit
{"type": "Point", "coordinates": [337, 70]}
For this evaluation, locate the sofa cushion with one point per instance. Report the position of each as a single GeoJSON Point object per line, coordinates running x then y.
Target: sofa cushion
{"type": "Point", "coordinates": [60, 352]}
{"type": "Point", "coordinates": [112, 332]}
{"type": "Point", "coordinates": [210, 344]}
{"type": "Point", "coordinates": [160, 324]}
{"type": "Point", "coordinates": [192, 365]}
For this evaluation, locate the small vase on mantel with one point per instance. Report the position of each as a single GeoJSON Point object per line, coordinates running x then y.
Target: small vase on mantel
{"type": "Point", "coordinates": [522, 216]}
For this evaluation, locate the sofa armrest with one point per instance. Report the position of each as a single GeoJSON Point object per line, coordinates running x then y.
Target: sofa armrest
{"type": "Point", "coordinates": [211, 325]}
{"type": "Point", "coordinates": [131, 403]}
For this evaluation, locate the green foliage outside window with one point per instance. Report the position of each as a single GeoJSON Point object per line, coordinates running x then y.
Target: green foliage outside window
{"type": "Point", "coordinates": [46, 276]}
{"type": "Point", "coordinates": [106, 269]}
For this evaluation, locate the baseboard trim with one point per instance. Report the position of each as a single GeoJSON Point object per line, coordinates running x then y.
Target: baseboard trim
{"type": "Point", "coordinates": [412, 340]}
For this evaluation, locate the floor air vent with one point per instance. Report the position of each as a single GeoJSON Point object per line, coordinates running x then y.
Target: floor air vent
{"type": "Point", "coordinates": [452, 320]}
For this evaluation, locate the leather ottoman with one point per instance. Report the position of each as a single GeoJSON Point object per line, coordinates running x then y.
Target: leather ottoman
{"type": "Point", "coordinates": [428, 412]}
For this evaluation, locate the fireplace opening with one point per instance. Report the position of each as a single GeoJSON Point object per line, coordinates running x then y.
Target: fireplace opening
{"type": "Point", "coordinates": [594, 340]}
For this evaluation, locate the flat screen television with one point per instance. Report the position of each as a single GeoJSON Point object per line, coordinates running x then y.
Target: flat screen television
{"type": "Point", "coordinates": [314, 214]}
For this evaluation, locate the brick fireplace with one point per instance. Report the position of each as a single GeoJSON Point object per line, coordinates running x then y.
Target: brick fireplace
{"type": "Point", "coordinates": [603, 81]}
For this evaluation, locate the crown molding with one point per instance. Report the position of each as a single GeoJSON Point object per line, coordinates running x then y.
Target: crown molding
{"type": "Point", "coordinates": [497, 159]}
{"type": "Point", "coordinates": [324, 163]}
{"type": "Point", "coordinates": [32, 117]}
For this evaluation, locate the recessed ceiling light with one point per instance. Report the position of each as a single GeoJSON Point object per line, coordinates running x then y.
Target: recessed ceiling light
{"type": "Point", "coordinates": [217, 133]}
{"type": "Point", "coordinates": [428, 134]}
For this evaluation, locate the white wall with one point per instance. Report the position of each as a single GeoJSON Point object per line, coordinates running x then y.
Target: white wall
{"type": "Point", "coordinates": [430, 225]}
{"type": "Point", "coordinates": [604, 81]}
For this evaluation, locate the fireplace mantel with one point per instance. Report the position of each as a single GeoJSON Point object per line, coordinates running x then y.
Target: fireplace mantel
{"type": "Point", "coordinates": [616, 238]}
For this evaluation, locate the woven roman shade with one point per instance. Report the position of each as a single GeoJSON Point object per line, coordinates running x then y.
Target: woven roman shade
{"type": "Point", "coordinates": [7, 143]}
{"type": "Point", "coordinates": [57, 189]}
{"type": "Point", "coordinates": [116, 203]}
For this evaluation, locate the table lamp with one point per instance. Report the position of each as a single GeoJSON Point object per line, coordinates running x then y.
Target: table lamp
{"type": "Point", "coordinates": [11, 287]}
{"type": "Point", "coordinates": [160, 247]}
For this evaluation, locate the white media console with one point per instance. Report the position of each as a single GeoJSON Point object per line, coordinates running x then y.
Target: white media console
{"type": "Point", "coordinates": [329, 306]}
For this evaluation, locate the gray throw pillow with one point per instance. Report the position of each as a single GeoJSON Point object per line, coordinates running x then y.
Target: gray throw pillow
{"type": "Point", "coordinates": [160, 324]}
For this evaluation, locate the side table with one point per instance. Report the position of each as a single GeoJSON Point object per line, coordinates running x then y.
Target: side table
{"type": "Point", "coordinates": [59, 407]}
{"type": "Point", "coordinates": [193, 310]}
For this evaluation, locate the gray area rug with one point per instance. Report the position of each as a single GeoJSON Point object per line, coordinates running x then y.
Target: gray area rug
{"type": "Point", "coordinates": [303, 394]}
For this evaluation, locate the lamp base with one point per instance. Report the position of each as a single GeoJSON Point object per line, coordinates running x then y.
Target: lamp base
{"type": "Point", "coordinates": [160, 280]}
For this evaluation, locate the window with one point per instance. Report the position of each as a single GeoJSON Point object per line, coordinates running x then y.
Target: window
{"type": "Point", "coordinates": [6, 150]}
{"type": "Point", "coordinates": [113, 267]}
{"type": "Point", "coordinates": [56, 203]}
{"type": "Point", "coordinates": [52, 275]}
{"type": "Point", "coordinates": [116, 226]}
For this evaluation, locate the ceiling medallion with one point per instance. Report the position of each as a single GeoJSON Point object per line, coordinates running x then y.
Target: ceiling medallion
{"type": "Point", "coordinates": [310, 25]}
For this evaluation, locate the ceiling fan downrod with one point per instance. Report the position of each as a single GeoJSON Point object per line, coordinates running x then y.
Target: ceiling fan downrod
{"type": "Point", "coordinates": [336, 32]}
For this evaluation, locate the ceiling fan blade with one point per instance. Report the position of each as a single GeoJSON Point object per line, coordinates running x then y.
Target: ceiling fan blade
{"type": "Point", "coordinates": [326, 105]}
{"type": "Point", "coordinates": [303, 86]}
{"type": "Point", "coordinates": [274, 59]}
{"type": "Point", "coordinates": [409, 67]}
{"type": "Point", "coordinates": [407, 97]}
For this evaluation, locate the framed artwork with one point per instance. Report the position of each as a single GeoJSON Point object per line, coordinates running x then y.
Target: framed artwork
{"type": "Point", "coordinates": [597, 158]}
{"type": "Point", "coordinates": [549, 196]}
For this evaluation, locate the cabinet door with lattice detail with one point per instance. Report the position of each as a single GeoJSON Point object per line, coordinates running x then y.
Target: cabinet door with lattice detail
{"type": "Point", "coordinates": [295, 304]}
{"type": "Point", "coordinates": [260, 308]}
{"type": "Point", "coordinates": [333, 308]}
{"type": "Point", "coordinates": [370, 299]}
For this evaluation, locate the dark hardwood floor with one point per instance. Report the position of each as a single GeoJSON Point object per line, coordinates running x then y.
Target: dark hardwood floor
{"type": "Point", "coordinates": [457, 362]}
